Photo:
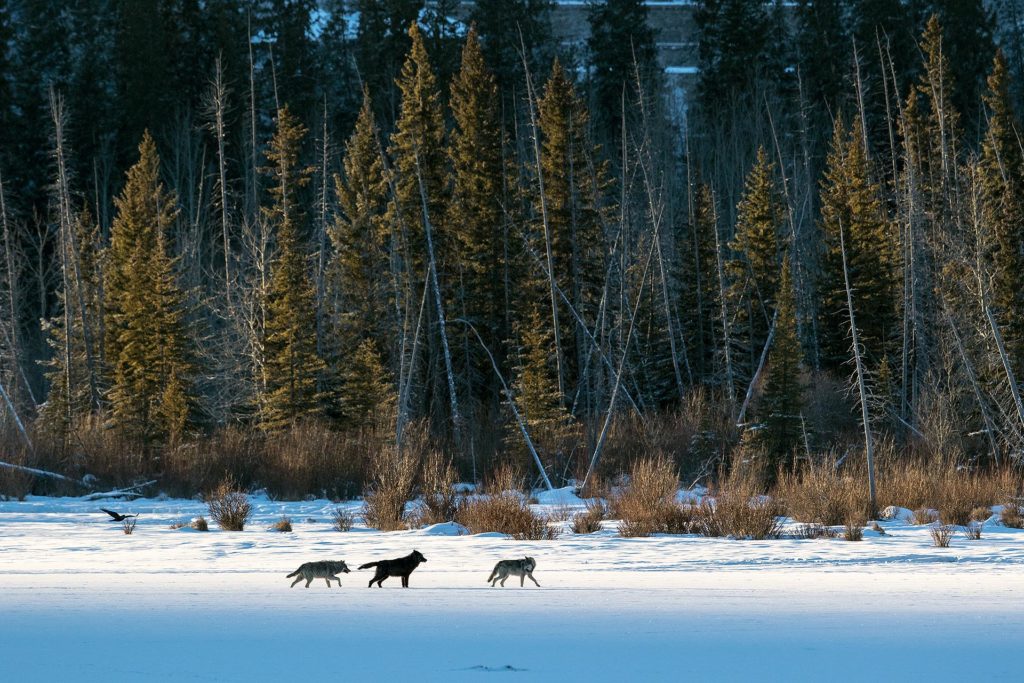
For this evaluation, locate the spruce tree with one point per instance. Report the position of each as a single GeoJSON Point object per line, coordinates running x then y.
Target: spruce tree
{"type": "Point", "coordinates": [754, 271]}
{"type": "Point", "coordinates": [573, 205]}
{"type": "Point", "coordinates": [359, 235]}
{"type": "Point", "coordinates": [369, 395]}
{"type": "Point", "coordinates": [382, 41]}
{"type": "Point", "coordinates": [851, 202]}
{"type": "Point", "coordinates": [781, 402]}
{"type": "Point", "coordinates": [536, 387]}
{"type": "Point", "coordinates": [505, 28]}
{"type": "Point", "coordinates": [475, 220]}
{"type": "Point", "coordinates": [621, 46]}
{"type": "Point", "coordinates": [418, 153]}
{"type": "Point", "coordinates": [147, 347]}
{"type": "Point", "coordinates": [69, 400]}
{"type": "Point", "coordinates": [293, 369]}
{"type": "Point", "coordinates": [1002, 188]}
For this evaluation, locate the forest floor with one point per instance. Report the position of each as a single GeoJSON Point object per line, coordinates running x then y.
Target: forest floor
{"type": "Point", "coordinates": [81, 600]}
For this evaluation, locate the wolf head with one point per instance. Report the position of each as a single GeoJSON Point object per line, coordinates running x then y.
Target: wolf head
{"type": "Point", "coordinates": [416, 555]}
{"type": "Point", "coordinates": [530, 563]}
{"type": "Point", "coordinates": [340, 566]}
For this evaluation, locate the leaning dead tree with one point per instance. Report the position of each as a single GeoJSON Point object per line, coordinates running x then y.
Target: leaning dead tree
{"type": "Point", "coordinates": [861, 380]}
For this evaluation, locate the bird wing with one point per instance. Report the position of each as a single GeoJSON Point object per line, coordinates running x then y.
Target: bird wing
{"type": "Point", "coordinates": [111, 513]}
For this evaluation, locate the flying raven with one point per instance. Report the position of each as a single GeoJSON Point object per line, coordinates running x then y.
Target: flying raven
{"type": "Point", "coordinates": [117, 516]}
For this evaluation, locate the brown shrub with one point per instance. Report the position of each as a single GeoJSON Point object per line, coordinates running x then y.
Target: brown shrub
{"type": "Point", "coordinates": [228, 506]}
{"type": "Point", "coordinates": [342, 519]}
{"type": "Point", "coordinates": [853, 528]}
{"type": "Point", "coordinates": [941, 534]}
{"type": "Point", "coordinates": [589, 521]}
{"type": "Point", "coordinates": [923, 516]}
{"type": "Point", "coordinates": [128, 525]}
{"type": "Point", "coordinates": [821, 494]}
{"type": "Point", "coordinates": [972, 531]}
{"type": "Point", "coordinates": [505, 513]}
{"type": "Point", "coordinates": [392, 486]}
{"type": "Point", "coordinates": [814, 530]}
{"type": "Point", "coordinates": [440, 500]}
{"type": "Point", "coordinates": [199, 524]}
{"type": "Point", "coordinates": [647, 504]}
{"type": "Point", "coordinates": [1011, 516]}
{"type": "Point", "coordinates": [981, 513]}
{"type": "Point", "coordinates": [283, 525]}
{"type": "Point", "coordinates": [15, 484]}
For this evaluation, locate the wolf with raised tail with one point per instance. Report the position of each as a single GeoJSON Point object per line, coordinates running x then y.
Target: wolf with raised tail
{"type": "Point", "coordinates": [522, 568]}
{"type": "Point", "coordinates": [326, 570]}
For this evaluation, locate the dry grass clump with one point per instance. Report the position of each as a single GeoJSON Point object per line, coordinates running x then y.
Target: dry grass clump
{"type": "Point", "coordinates": [506, 513]}
{"type": "Point", "coordinates": [941, 534]}
{"type": "Point", "coordinates": [199, 524]}
{"type": "Point", "coordinates": [922, 516]}
{"type": "Point", "coordinates": [440, 500]}
{"type": "Point", "coordinates": [128, 525]}
{"type": "Point", "coordinates": [284, 525]}
{"type": "Point", "coordinates": [821, 494]}
{"type": "Point", "coordinates": [877, 528]}
{"type": "Point", "coordinates": [981, 513]}
{"type": "Point", "coordinates": [972, 531]}
{"type": "Point", "coordinates": [342, 519]}
{"type": "Point", "coordinates": [853, 528]}
{"type": "Point", "coordinates": [228, 506]}
{"type": "Point", "coordinates": [392, 485]}
{"type": "Point", "coordinates": [814, 530]}
{"type": "Point", "coordinates": [1011, 516]}
{"type": "Point", "coordinates": [739, 510]}
{"type": "Point", "coordinates": [589, 521]}
{"type": "Point", "coordinates": [647, 505]}
{"type": "Point", "coordinates": [15, 484]}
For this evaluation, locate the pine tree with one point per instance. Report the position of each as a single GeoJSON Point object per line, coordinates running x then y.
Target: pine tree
{"type": "Point", "coordinates": [293, 368]}
{"type": "Point", "coordinates": [754, 272]}
{"type": "Point", "coordinates": [967, 48]}
{"type": "Point", "coordinates": [147, 346]}
{"type": "Point", "coordinates": [1002, 187]}
{"type": "Point", "coordinates": [475, 219]}
{"type": "Point", "coordinates": [782, 400]}
{"type": "Point", "coordinates": [823, 51]}
{"type": "Point", "coordinates": [851, 202]}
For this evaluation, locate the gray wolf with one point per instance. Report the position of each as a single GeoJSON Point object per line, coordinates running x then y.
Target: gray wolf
{"type": "Point", "coordinates": [403, 566]}
{"type": "Point", "coordinates": [522, 568]}
{"type": "Point", "coordinates": [325, 570]}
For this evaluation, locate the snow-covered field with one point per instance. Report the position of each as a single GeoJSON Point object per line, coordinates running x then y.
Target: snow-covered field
{"type": "Point", "coordinates": [80, 600]}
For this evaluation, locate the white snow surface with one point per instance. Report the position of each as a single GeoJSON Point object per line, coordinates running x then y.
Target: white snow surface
{"type": "Point", "coordinates": [82, 601]}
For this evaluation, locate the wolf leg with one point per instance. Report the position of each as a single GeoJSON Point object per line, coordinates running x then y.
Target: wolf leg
{"type": "Point", "coordinates": [296, 581]}
{"type": "Point", "coordinates": [328, 580]}
{"type": "Point", "coordinates": [533, 579]}
{"type": "Point", "coordinates": [309, 581]}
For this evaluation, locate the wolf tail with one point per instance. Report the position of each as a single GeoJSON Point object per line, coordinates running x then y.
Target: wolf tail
{"type": "Point", "coordinates": [494, 572]}
{"type": "Point", "coordinates": [294, 573]}
{"type": "Point", "coordinates": [368, 565]}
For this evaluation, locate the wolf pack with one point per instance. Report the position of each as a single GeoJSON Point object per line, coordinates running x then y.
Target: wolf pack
{"type": "Point", "coordinates": [402, 567]}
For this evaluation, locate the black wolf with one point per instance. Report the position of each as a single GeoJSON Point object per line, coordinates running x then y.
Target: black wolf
{"type": "Point", "coordinates": [403, 566]}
